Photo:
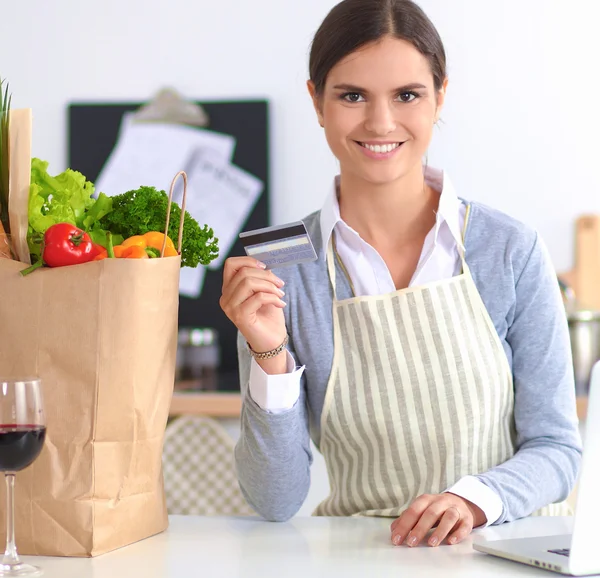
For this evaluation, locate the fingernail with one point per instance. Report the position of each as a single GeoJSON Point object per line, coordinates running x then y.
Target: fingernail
{"type": "Point", "coordinates": [397, 540]}
{"type": "Point", "coordinates": [261, 265]}
{"type": "Point", "coordinates": [281, 293]}
{"type": "Point", "coordinates": [452, 541]}
{"type": "Point", "coordinates": [280, 282]}
{"type": "Point", "coordinates": [412, 541]}
{"type": "Point", "coordinates": [433, 542]}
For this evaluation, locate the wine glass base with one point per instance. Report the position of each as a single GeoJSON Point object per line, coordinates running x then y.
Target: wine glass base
{"type": "Point", "coordinates": [12, 570]}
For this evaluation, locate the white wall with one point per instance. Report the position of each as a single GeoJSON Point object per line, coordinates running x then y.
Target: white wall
{"type": "Point", "coordinates": [521, 121]}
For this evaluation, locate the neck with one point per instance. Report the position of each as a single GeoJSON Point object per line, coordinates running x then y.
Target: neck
{"type": "Point", "coordinates": [390, 214]}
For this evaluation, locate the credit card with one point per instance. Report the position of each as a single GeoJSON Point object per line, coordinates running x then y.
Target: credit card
{"type": "Point", "coordinates": [279, 246]}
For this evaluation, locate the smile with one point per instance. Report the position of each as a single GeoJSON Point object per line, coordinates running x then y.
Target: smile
{"type": "Point", "coordinates": [381, 151]}
{"type": "Point", "coordinates": [386, 148]}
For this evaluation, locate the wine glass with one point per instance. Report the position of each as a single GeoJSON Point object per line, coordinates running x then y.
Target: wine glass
{"type": "Point", "coordinates": [22, 434]}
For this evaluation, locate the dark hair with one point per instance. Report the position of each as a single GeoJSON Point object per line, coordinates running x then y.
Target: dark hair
{"type": "Point", "coordinates": [352, 24]}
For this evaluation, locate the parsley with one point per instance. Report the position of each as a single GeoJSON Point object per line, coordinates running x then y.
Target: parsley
{"type": "Point", "coordinates": [145, 209]}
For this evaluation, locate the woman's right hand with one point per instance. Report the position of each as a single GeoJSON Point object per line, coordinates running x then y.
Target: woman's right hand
{"type": "Point", "coordinates": [251, 298]}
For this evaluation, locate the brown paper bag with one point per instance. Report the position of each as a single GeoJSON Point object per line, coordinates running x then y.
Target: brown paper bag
{"type": "Point", "coordinates": [102, 337]}
{"type": "Point", "coordinates": [19, 173]}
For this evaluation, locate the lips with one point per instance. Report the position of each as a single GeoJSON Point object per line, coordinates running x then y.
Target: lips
{"type": "Point", "coordinates": [380, 150]}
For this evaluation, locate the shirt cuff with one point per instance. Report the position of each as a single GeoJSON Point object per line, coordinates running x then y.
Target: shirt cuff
{"type": "Point", "coordinates": [275, 393]}
{"type": "Point", "coordinates": [474, 490]}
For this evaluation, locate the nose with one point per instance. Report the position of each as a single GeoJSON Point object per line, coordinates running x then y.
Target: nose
{"type": "Point", "coordinates": [380, 118]}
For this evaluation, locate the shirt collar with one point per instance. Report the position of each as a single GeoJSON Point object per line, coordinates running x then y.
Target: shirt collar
{"type": "Point", "coordinates": [448, 209]}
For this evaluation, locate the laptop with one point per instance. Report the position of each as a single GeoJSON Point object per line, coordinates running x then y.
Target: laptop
{"type": "Point", "coordinates": [576, 554]}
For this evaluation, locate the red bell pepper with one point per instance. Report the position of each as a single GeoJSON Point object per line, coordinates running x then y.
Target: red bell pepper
{"type": "Point", "coordinates": [63, 245]}
{"type": "Point", "coordinates": [97, 250]}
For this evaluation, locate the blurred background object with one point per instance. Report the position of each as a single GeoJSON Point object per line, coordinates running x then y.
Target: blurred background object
{"type": "Point", "coordinates": [198, 359]}
{"type": "Point", "coordinates": [169, 106]}
{"type": "Point", "coordinates": [199, 469]}
{"type": "Point", "coordinates": [584, 334]}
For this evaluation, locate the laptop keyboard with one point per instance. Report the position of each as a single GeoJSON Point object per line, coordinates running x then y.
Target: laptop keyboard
{"type": "Point", "coordinates": [561, 552]}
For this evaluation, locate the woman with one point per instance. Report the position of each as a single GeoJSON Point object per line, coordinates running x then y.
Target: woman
{"type": "Point", "coordinates": [426, 351]}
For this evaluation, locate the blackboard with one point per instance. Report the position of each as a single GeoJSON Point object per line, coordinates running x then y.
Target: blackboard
{"type": "Point", "coordinates": [92, 134]}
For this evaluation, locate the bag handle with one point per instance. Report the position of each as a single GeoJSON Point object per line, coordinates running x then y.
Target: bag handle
{"type": "Point", "coordinates": [180, 237]}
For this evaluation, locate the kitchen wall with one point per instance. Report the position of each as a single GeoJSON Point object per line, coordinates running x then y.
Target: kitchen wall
{"type": "Point", "coordinates": [520, 127]}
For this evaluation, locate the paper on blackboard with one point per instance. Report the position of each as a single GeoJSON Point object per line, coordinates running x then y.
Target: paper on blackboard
{"type": "Point", "coordinates": [221, 195]}
{"type": "Point", "coordinates": [151, 154]}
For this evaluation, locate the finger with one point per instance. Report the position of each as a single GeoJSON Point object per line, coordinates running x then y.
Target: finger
{"type": "Point", "coordinates": [247, 288]}
{"type": "Point", "coordinates": [249, 273]}
{"type": "Point", "coordinates": [234, 264]}
{"type": "Point", "coordinates": [464, 529]}
{"type": "Point", "coordinates": [409, 518]}
{"type": "Point", "coordinates": [448, 522]}
{"type": "Point", "coordinates": [396, 522]}
{"type": "Point", "coordinates": [252, 305]}
{"type": "Point", "coordinates": [428, 519]}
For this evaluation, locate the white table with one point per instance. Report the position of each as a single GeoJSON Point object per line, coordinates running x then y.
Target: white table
{"type": "Point", "coordinates": [311, 547]}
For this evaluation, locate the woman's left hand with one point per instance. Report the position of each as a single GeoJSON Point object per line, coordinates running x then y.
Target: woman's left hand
{"type": "Point", "coordinates": [454, 516]}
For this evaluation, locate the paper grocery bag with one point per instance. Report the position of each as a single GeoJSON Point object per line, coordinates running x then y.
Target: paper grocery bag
{"type": "Point", "coordinates": [19, 180]}
{"type": "Point", "coordinates": [102, 337]}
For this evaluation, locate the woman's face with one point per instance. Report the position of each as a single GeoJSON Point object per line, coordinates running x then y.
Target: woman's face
{"type": "Point", "coordinates": [378, 109]}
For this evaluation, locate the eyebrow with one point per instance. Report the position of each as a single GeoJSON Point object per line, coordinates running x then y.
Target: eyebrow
{"type": "Point", "coordinates": [353, 88]}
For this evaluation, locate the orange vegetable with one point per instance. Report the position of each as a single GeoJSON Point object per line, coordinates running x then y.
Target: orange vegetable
{"type": "Point", "coordinates": [136, 240]}
{"type": "Point", "coordinates": [170, 251]}
{"type": "Point", "coordinates": [119, 250]}
{"type": "Point", "coordinates": [135, 252]}
{"type": "Point", "coordinates": [155, 239]}
{"type": "Point", "coordinates": [151, 242]}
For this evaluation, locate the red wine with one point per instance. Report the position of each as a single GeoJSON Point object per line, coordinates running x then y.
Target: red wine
{"type": "Point", "coordinates": [20, 445]}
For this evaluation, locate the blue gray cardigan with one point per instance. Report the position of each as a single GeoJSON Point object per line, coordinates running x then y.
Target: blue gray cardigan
{"type": "Point", "coordinates": [517, 282]}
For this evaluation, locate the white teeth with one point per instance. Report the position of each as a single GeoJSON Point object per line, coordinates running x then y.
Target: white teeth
{"type": "Point", "coordinates": [387, 148]}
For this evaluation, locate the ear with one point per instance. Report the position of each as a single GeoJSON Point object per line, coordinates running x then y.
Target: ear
{"type": "Point", "coordinates": [441, 98]}
{"type": "Point", "coordinates": [316, 102]}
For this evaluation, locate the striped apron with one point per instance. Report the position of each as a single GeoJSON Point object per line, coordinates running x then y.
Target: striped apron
{"type": "Point", "coordinates": [420, 395]}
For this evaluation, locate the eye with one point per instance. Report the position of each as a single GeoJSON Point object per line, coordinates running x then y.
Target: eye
{"type": "Point", "coordinates": [351, 97]}
{"type": "Point", "coordinates": [407, 96]}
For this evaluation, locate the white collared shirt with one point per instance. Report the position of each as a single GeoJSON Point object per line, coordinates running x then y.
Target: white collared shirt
{"type": "Point", "coordinates": [370, 276]}
{"type": "Point", "coordinates": [368, 271]}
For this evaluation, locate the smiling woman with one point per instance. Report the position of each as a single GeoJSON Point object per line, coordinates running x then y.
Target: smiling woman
{"type": "Point", "coordinates": [379, 103]}
{"type": "Point", "coordinates": [378, 73]}
{"type": "Point", "coordinates": [426, 352]}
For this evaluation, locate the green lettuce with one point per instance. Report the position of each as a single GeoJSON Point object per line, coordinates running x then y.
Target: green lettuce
{"type": "Point", "coordinates": [64, 198]}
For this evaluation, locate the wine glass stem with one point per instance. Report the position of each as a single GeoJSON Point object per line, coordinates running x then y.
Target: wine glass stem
{"type": "Point", "coordinates": [10, 555]}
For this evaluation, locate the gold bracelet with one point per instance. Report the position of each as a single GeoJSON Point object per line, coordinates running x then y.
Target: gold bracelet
{"type": "Point", "coordinates": [269, 354]}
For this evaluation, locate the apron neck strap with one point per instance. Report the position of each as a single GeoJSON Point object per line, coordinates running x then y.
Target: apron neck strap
{"type": "Point", "coordinates": [461, 247]}
{"type": "Point", "coordinates": [331, 266]}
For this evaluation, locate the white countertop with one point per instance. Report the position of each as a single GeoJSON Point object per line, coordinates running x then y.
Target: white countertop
{"type": "Point", "coordinates": [306, 547]}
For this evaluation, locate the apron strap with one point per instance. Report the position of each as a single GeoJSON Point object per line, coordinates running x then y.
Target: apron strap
{"type": "Point", "coordinates": [461, 248]}
{"type": "Point", "coordinates": [331, 266]}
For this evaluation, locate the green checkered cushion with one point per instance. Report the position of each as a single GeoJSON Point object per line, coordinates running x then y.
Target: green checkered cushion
{"type": "Point", "coordinates": [199, 471]}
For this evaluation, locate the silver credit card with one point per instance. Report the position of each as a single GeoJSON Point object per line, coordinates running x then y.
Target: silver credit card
{"type": "Point", "coordinates": [279, 246]}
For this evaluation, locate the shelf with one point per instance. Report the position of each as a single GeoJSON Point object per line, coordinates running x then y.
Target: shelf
{"type": "Point", "coordinates": [220, 404]}
{"type": "Point", "coordinates": [214, 404]}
